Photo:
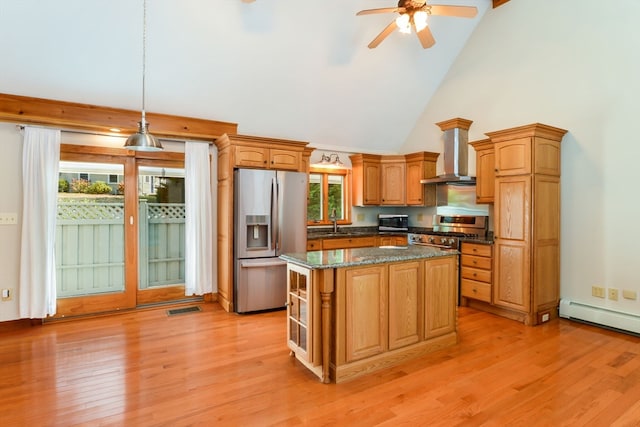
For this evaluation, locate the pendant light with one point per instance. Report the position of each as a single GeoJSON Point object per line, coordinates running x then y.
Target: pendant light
{"type": "Point", "coordinates": [143, 140]}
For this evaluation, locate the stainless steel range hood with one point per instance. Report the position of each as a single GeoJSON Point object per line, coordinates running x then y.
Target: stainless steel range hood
{"type": "Point", "coordinates": [456, 153]}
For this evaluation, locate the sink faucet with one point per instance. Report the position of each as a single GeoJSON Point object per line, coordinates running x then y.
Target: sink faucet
{"type": "Point", "coordinates": [333, 217]}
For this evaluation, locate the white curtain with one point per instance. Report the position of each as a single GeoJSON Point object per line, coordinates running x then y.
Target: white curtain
{"type": "Point", "coordinates": [198, 224]}
{"type": "Point", "coordinates": [40, 164]}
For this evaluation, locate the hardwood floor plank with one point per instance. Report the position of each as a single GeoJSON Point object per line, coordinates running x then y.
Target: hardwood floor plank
{"type": "Point", "coordinates": [217, 368]}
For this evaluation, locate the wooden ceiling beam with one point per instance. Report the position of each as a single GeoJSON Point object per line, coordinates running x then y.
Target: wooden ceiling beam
{"type": "Point", "coordinates": [497, 3]}
{"type": "Point", "coordinates": [71, 115]}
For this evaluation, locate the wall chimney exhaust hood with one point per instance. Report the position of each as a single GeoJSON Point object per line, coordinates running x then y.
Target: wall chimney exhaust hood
{"type": "Point", "coordinates": [456, 153]}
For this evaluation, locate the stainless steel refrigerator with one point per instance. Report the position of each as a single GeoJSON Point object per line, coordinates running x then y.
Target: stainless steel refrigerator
{"type": "Point", "coordinates": [270, 219]}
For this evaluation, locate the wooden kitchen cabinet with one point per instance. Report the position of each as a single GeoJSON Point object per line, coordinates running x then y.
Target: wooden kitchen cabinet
{"type": "Point", "coordinates": [365, 293]}
{"type": "Point", "coordinates": [267, 158]}
{"type": "Point", "coordinates": [476, 264]}
{"type": "Point", "coordinates": [393, 181]}
{"type": "Point", "coordinates": [349, 242]}
{"type": "Point", "coordinates": [314, 244]}
{"type": "Point", "coordinates": [251, 152]}
{"type": "Point", "coordinates": [420, 165]}
{"type": "Point", "coordinates": [391, 241]}
{"type": "Point", "coordinates": [365, 181]}
{"type": "Point", "coordinates": [361, 318]}
{"type": "Point", "coordinates": [440, 296]}
{"type": "Point", "coordinates": [405, 303]}
{"type": "Point", "coordinates": [527, 222]}
{"type": "Point", "coordinates": [485, 170]}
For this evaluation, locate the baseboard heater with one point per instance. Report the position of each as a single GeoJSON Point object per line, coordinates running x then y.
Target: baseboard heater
{"type": "Point", "coordinates": [601, 316]}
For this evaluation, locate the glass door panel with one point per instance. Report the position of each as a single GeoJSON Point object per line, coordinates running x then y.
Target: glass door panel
{"type": "Point", "coordinates": [90, 238]}
{"type": "Point", "coordinates": [161, 220]}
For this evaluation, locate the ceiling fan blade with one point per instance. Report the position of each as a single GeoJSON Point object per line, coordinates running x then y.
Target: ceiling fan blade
{"type": "Point", "coordinates": [425, 37]}
{"type": "Point", "coordinates": [383, 35]}
{"type": "Point", "coordinates": [459, 11]}
{"type": "Point", "coordinates": [382, 10]}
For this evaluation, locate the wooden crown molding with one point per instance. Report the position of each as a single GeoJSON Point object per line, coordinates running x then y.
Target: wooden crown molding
{"type": "Point", "coordinates": [71, 115]}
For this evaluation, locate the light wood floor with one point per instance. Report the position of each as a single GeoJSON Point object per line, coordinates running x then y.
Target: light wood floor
{"type": "Point", "coordinates": [215, 368]}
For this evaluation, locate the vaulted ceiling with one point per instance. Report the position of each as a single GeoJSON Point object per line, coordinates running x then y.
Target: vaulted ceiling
{"type": "Point", "coordinates": [279, 68]}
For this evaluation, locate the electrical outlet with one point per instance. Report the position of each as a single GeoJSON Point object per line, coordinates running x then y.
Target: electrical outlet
{"type": "Point", "coordinates": [8, 218]}
{"type": "Point", "coordinates": [360, 217]}
{"type": "Point", "coordinates": [420, 217]}
{"type": "Point", "coordinates": [7, 294]}
{"type": "Point", "coordinates": [597, 291]}
{"type": "Point", "coordinates": [627, 294]}
{"type": "Point", "coordinates": [613, 294]}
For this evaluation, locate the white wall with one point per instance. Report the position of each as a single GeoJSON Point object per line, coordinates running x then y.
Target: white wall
{"type": "Point", "coordinates": [572, 64]}
{"type": "Point", "coordinates": [10, 202]}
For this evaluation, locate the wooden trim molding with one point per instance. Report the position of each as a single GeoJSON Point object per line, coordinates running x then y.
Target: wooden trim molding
{"type": "Point", "coordinates": [71, 115]}
{"type": "Point", "coordinates": [497, 3]}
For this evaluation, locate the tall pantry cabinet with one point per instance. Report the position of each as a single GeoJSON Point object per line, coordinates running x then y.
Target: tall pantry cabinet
{"type": "Point", "coordinates": [527, 222]}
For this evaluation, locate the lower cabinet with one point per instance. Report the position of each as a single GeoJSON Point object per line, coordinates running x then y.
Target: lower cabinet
{"type": "Point", "coordinates": [391, 240]}
{"type": "Point", "coordinates": [405, 303]}
{"type": "Point", "coordinates": [349, 242]}
{"type": "Point", "coordinates": [386, 314]}
{"type": "Point", "coordinates": [303, 315]}
{"type": "Point", "coordinates": [475, 272]}
{"type": "Point", "coordinates": [365, 303]}
{"type": "Point", "coordinates": [440, 296]}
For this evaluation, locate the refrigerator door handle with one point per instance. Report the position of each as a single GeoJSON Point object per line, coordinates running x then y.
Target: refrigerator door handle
{"type": "Point", "coordinates": [258, 263]}
{"type": "Point", "coordinates": [275, 232]}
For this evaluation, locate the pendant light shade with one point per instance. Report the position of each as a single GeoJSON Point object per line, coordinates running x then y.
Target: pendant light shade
{"type": "Point", "coordinates": [143, 140]}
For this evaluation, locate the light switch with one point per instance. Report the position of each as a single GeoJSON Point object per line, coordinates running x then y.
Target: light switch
{"type": "Point", "coordinates": [8, 218]}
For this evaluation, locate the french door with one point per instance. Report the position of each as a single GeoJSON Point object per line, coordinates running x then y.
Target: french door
{"type": "Point", "coordinates": [120, 230]}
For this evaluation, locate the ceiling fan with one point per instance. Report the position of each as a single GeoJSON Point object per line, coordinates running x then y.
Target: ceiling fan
{"type": "Point", "coordinates": [414, 14]}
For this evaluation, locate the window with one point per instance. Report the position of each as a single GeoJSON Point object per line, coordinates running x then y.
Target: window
{"type": "Point", "coordinates": [328, 196]}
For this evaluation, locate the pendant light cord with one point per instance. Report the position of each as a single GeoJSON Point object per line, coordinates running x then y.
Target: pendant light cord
{"type": "Point", "coordinates": [144, 56]}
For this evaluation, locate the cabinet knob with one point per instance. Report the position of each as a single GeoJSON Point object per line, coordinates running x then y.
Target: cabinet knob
{"type": "Point", "coordinates": [475, 290]}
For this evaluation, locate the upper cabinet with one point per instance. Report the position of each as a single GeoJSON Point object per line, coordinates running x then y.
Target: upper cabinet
{"type": "Point", "coordinates": [393, 180]}
{"type": "Point", "coordinates": [485, 170]}
{"type": "Point", "coordinates": [264, 153]}
{"type": "Point", "coordinates": [420, 165]}
{"type": "Point", "coordinates": [365, 179]}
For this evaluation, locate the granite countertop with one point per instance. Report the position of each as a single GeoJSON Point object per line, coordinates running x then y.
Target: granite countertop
{"type": "Point", "coordinates": [363, 256]}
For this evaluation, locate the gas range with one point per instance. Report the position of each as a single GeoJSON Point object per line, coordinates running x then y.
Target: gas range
{"type": "Point", "coordinates": [449, 229]}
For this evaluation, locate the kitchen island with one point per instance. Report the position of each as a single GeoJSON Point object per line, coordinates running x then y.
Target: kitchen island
{"type": "Point", "coordinates": [354, 311]}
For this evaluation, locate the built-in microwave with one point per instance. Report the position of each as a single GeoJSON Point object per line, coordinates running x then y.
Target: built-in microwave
{"type": "Point", "coordinates": [393, 222]}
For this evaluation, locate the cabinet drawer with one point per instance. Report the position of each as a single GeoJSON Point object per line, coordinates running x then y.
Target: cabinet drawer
{"type": "Point", "coordinates": [476, 262]}
{"type": "Point", "coordinates": [475, 290]}
{"type": "Point", "coordinates": [350, 242]}
{"type": "Point", "coordinates": [475, 274]}
{"type": "Point", "coordinates": [476, 249]}
{"type": "Point", "coordinates": [314, 245]}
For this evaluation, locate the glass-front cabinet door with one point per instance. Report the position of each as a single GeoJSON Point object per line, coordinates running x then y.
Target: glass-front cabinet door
{"type": "Point", "coordinates": [298, 311]}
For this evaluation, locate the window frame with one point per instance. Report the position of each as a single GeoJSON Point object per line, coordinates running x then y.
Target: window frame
{"type": "Point", "coordinates": [346, 191]}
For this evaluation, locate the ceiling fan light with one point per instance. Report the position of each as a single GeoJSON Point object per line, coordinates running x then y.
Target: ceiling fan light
{"type": "Point", "coordinates": [403, 24]}
{"type": "Point", "coordinates": [420, 20]}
